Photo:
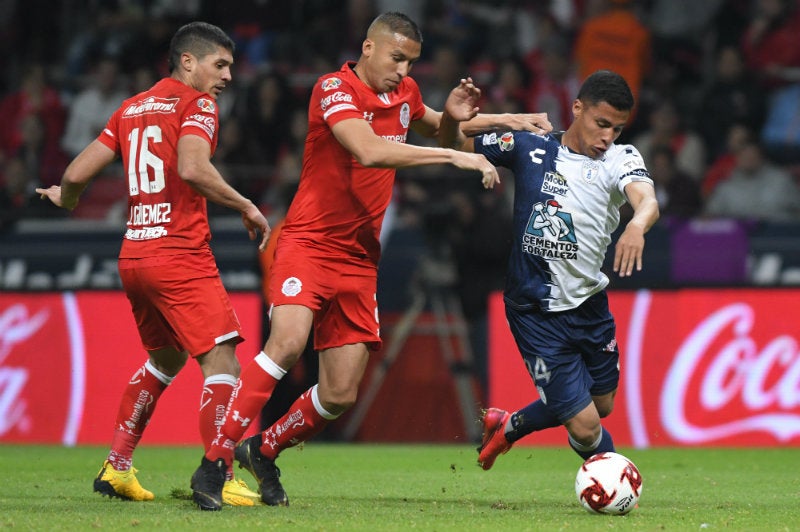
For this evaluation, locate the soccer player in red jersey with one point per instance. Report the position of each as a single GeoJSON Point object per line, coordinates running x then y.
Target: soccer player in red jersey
{"type": "Point", "coordinates": [325, 270]}
{"type": "Point", "coordinates": [166, 137]}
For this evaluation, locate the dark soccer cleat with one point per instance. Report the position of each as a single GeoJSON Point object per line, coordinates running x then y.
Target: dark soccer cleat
{"type": "Point", "coordinates": [263, 470]}
{"type": "Point", "coordinates": [494, 439]}
{"type": "Point", "coordinates": [207, 483]}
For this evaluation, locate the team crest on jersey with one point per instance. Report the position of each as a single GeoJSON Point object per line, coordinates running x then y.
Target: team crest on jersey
{"type": "Point", "coordinates": [330, 83]}
{"type": "Point", "coordinates": [506, 142]}
{"type": "Point", "coordinates": [206, 105]}
{"type": "Point", "coordinates": [292, 286]}
{"type": "Point", "coordinates": [489, 139]}
{"type": "Point", "coordinates": [405, 115]}
{"type": "Point", "coordinates": [590, 170]}
{"type": "Point", "coordinates": [550, 233]}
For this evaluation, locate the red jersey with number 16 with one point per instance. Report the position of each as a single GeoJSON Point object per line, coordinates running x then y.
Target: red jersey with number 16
{"type": "Point", "coordinates": [339, 206]}
{"type": "Point", "coordinates": [165, 215]}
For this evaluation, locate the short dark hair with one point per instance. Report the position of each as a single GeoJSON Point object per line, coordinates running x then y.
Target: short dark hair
{"type": "Point", "coordinates": [607, 86]}
{"type": "Point", "coordinates": [398, 23]}
{"type": "Point", "coordinates": [199, 39]}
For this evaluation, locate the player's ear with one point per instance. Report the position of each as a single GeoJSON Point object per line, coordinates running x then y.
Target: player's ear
{"type": "Point", "coordinates": [367, 47]}
{"type": "Point", "coordinates": [187, 61]}
{"type": "Point", "coordinates": [577, 108]}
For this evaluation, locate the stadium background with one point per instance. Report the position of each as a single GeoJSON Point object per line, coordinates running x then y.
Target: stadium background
{"type": "Point", "coordinates": [708, 329]}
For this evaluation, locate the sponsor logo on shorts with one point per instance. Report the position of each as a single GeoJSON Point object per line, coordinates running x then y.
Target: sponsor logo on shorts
{"type": "Point", "coordinates": [291, 286]}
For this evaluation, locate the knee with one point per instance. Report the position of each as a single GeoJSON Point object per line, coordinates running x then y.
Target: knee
{"type": "Point", "coordinates": [604, 405]}
{"type": "Point", "coordinates": [585, 427]}
{"type": "Point", "coordinates": [338, 400]}
{"type": "Point", "coordinates": [585, 435]}
{"type": "Point", "coordinates": [169, 364]}
{"type": "Point", "coordinates": [285, 349]}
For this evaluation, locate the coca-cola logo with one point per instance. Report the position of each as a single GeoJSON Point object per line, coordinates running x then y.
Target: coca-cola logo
{"type": "Point", "coordinates": [16, 326]}
{"type": "Point", "coordinates": [730, 368]}
{"type": "Point", "coordinates": [42, 368]}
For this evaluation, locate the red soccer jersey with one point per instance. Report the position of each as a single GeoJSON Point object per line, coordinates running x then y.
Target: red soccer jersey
{"type": "Point", "coordinates": [339, 205]}
{"type": "Point", "coordinates": [165, 215]}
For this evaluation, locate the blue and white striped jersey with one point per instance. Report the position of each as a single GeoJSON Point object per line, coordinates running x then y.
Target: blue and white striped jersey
{"type": "Point", "coordinates": [566, 206]}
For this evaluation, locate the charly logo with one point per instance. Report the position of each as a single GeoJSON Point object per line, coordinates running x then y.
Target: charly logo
{"type": "Point", "coordinates": [764, 379]}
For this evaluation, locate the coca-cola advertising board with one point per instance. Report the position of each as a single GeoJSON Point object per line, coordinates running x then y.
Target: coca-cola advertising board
{"type": "Point", "coordinates": [698, 368]}
{"type": "Point", "coordinates": [65, 359]}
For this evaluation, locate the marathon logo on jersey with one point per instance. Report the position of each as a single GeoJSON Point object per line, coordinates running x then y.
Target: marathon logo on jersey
{"type": "Point", "coordinates": [335, 98]}
{"type": "Point", "coordinates": [405, 115]}
{"type": "Point", "coordinates": [151, 105]}
{"type": "Point", "coordinates": [330, 84]}
{"type": "Point", "coordinates": [206, 105]}
{"type": "Point", "coordinates": [555, 184]}
{"type": "Point", "coordinates": [506, 142]}
{"type": "Point", "coordinates": [205, 122]}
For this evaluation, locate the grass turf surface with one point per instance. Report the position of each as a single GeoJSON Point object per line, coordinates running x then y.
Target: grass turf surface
{"type": "Point", "coordinates": [401, 487]}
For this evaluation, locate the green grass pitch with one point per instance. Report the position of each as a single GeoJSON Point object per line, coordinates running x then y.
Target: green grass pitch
{"type": "Point", "coordinates": [402, 487]}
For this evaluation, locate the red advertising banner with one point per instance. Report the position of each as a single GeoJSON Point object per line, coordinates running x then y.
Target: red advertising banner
{"type": "Point", "coordinates": [699, 367]}
{"type": "Point", "coordinates": [66, 357]}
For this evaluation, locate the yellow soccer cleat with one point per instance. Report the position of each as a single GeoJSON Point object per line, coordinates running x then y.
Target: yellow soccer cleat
{"type": "Point", "coordinates": [121, 484]}
{"type": "Point", "coordinates": [236, 493]}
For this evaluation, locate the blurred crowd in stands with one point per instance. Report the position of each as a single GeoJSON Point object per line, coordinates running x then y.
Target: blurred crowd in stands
{"type": "Point", "coordinates": [717, 84]}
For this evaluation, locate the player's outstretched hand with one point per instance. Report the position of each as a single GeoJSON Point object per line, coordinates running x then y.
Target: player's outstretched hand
{"type": "Point", "coordinates": [628, 251]}
{"type": "Point", "coordinates": [256, 223]}
{"type": "Point", "coordinates": [534, 122]}
{"type": "Point", "coordinates": [462, 100]}
{"type": "Point", "coordinates": [476, 161]}
{"type": "Point", "coordinates": [53, 193]}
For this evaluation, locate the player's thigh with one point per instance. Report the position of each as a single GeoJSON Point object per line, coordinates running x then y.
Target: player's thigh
{"type": "Point", "coordinates": [584, 426]}
{"type": "Point", "coordinates": [555, 365]}
{"type": "Point", "coordinates": [341, 370]}
{"type": "Point", "coordinates": [290, 326]}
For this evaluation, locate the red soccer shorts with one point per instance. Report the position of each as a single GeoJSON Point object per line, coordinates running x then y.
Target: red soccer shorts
{"type": "Point", "coordinates": [341, 294]}
{"type": "Point", "coordinates": [179, 301]}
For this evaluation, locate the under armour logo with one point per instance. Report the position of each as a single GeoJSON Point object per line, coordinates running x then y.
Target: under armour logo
{"type": "Point", "coordinates": [243, 420]}
{"type": "Point", "coordinates": [368, 116]}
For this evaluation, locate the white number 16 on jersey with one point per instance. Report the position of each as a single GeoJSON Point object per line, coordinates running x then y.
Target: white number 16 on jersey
{"type": "Point", "coordinates": [139, 158]}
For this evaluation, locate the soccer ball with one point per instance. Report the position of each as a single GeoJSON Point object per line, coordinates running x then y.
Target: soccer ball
{"type": "Point", "coordinates": [608, 483]}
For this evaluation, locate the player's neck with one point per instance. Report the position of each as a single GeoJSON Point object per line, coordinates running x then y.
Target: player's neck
{"type": "Point", "coordinates": [566, 140]}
